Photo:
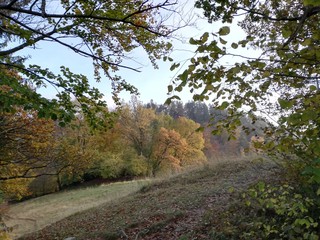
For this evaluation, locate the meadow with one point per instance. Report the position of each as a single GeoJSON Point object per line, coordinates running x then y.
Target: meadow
{"type": "Point", "coordinates": [184, 206]}
{"type": "Point", "coordinates": [37, 213]}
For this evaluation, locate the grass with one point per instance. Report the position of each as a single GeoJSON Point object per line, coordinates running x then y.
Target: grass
{"type": "Point", "coordinates": [35, 214]}
{"type": "Point", "coordinates": [181, 207]}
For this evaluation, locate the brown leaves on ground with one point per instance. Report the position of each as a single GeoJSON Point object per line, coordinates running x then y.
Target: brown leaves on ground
{"type": "Point", "coordinates": [178, 208]}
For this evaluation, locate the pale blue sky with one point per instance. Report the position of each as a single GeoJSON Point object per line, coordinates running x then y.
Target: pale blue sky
{"type": "Point", "coordinates": [152, 83]}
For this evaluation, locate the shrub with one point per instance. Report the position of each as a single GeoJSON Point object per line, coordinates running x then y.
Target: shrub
{"type": "Point", "coordinates": [112, 166]}
{"type": "Point", "coordinates": [15, 189]}
{"type": "Point", "coordinates": [275, 212]}
{"type": "Point", "coordinates": [137, 166]}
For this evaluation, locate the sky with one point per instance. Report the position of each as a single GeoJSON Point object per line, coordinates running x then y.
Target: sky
{"type": "Point", "coordinates": [151, 83]}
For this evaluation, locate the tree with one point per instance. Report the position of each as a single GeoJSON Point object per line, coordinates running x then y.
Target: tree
{"type": "Point", "coordinates": [136, 126]}
{"type": "Point", "coordinates": [160, 140]}
{"type": "Point", "coordinates": [197, 111]}
{"type": "Point", "coordinates": [189, 131]}
{"type": "Point", "coordinates": [104, 31]}
{"type": "Point", "coordinates": [280, 84]}
{"type": "Point", "coordinates": [169, 152]}
{"type": "Point", "coordinates": [25, 143]}
{"type": "Point", "coordinates": [176, 109]}
{"type": "Point", "coordinates": [73, 153]}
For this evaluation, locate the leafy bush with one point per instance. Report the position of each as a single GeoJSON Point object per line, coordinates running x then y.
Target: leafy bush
{"type": "Point", "coordinates": [113, 166]}
{"type": "Point", "coordinates": [15, 189]}
{"type": "Point", "coordinates": [275, 212]}
{"type": "Point", "coordinates": [137, 166]}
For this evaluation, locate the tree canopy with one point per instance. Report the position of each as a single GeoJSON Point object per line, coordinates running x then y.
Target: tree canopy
{"type": "Point", "coordinates": [279, 82]}
{"type": "Point", "coordinates": [103, 31]}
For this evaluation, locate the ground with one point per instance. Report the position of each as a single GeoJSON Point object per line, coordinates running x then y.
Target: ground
{"type": "Point", "coordinates": [182, 207]}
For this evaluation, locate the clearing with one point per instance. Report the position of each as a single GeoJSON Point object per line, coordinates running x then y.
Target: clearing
{"type": "Point", "coordinates": [35, 214]}
{"type": "Point", "coordinates": [182, 207]}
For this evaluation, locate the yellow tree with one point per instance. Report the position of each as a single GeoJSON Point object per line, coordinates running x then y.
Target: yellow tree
{"type": "Point", "coordinates": [188, 129]}
{"type": "Point", "coordinates": [169, 151]}
{"type": "Point", "coordinates": [137, 126]}
{"type": "Point", "coordinates": [25, 142]}
{"type": "Point", "coordinates": [74, 152]}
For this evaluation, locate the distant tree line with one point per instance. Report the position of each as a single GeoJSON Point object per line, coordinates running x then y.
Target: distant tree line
{"type": "Point", "coordinates": [38, 156]}
{"type": "Point", "coordinates": [216, 145]}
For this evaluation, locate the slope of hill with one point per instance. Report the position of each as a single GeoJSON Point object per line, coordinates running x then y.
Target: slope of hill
{"type": "Point", "coordinates": [35, 214]}
{"type": "Point", "coordinates": [182, 207]}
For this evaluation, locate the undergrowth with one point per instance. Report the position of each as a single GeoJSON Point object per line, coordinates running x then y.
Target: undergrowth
{"type": "Point", "coordinates": [271, 211]}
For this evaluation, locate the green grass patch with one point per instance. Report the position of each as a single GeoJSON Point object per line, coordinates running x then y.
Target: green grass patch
{"type": "Point", "coordinates": [35, 214]}
{"type": "Point", "coordinates": [177, 208]}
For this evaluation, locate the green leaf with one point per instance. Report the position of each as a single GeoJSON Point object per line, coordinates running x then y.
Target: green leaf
{"type": "Point", "coordinates": [224, 105]}
{"type": "Point", "coordinates": [261, 186]}
{"type": "Point", "coordinates": [200, 129]}
{"type": "Point", "coordinates": [314, 3]}
{"type": "Point", "coordinates": [231, 189]}
{"type": "Point", "coordinates": [179, 88]}
{"type": "Point", "coordinates": [234, 45]}
{"type": "Point", "coordinates": [192, 41]}
{"type": "Point", "coordinates": [174, 66]}
{"type": "Point", "coordinates": [184, 76]}
{"type": "Point", "coordinates": [170, 88]}
{"type": "Point", "coordinates": [224, 31]}
{"type": "Point", "coordinates": [204, 37]}
{"type": "Point", "coordinates": [223, 41]}
{"type": "Point", "coordinates": [62, 124]}
{"type": "Point", "coordinates": [306, 42]}
{"type": "Point", "coordinates": [54, 116]}
{"type": "Point", "coordinates": [286, 33]}
{"type": "Point", "coordinates": [309, 115]}
{"type": "Point", "coordinates": [313, 88]}
{"type": "Point", "coordinates": [266, 74]}
{"type": "Point", "coordinates": [294, 119]}
{"type": "Point", "coordinates": [285, 104]}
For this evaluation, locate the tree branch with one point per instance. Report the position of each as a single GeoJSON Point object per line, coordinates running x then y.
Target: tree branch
{"type": "Point", "coordinates": [48, 35]}
{"type": "Point", "coordinates": [308, 12]}
{"type": "Point", "coordinates": [91, 16]}
{"type": "Point", "coordinates": [265, 16]}
{"type": "Point", "coordinates": [26, 44]}
{"type": "Point", "coordinates": [12, 3]}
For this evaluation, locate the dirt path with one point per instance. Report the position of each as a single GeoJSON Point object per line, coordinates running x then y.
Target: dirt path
{"type": "Point", "coordinates": [35, 214]}
{"type": "Point", "coordinates": [179, 208]}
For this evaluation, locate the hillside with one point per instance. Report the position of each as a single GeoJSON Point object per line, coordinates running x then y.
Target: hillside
{"type": "Point", "coordinates": [183, 207]}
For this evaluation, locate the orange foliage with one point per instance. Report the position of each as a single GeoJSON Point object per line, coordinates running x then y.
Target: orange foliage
{"type": "Point", "coordinates": [25, 141]}
{"type": "Point", "coordinates": [170, 150]}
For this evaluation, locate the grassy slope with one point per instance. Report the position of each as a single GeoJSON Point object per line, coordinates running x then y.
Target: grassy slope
{"type": "Point", "coordinates": [183, 207]}
{"type": "Point", "coordinates": [37, 213]}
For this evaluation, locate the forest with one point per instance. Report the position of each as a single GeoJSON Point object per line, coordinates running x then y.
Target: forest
{"type": "Point", "coordinates": [41, 157]}
{"type": "Point", "coordinates": [254, 82]}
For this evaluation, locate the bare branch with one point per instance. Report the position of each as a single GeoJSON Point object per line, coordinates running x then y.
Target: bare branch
{"type": "Point", "coordinates": [32, 5]}
{"type": "Point", "coordinates": [26, 44]}
{"type": "Point", "coordinates": [125, 19]}
{"type": "Point", "coordinates": [308, 12]}
{"type": "Point", "coordinates": [43, 8]}
{"type": "Point", "coordinates": [48, 35]}
{"type": "Point", "coordinates": [12, 3]}
{"type": "Point", "coordinates": [265, 16]}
